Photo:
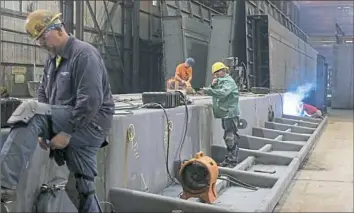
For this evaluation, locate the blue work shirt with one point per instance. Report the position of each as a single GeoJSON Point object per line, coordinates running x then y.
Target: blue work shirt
{"type": "Point", "coordinates": [80, 80]}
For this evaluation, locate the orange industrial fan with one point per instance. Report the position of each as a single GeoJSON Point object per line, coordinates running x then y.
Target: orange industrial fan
{"type": "Point", "coordinates": [198, 178]}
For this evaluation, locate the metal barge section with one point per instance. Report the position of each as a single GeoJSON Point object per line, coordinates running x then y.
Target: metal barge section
{"type": "Point", "coordinates": [134, 178]}
{"type": "Point", "coordinates": [270, 157]}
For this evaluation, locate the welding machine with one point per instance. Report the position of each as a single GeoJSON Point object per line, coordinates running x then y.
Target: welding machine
{"type": "Point", "coordinates": [168, 99]}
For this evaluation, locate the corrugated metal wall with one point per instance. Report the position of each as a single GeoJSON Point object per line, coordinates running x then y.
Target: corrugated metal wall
{"type": "Point", "coordinates": [20, 51]}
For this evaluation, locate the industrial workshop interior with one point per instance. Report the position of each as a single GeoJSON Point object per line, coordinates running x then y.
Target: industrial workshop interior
{"type": "Point", "coordinates": [211, 106]}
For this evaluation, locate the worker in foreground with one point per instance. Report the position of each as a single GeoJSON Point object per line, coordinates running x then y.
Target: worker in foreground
{"type": "Point", "coordinates": [309, 111]}
{"type": "Point", "coordinates": [72, 116]}
{"type": "Point", "coordinates": [226, 106]}
{"type": "Point", "coordinates": [183, 76]}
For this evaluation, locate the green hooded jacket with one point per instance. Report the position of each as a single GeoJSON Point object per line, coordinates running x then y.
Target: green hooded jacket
{"type": "Point", "coordinates": [225, 97]}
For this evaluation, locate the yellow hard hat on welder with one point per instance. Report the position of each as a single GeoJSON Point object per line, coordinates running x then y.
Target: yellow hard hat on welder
{"type": "Point", "coordinates": [38, 21]}
{"type": "Point", "coordinates": [218, 66]}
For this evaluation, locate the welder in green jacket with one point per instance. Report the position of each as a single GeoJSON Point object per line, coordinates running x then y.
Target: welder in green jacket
{"type": "Point", "coordinates": [226, 106]}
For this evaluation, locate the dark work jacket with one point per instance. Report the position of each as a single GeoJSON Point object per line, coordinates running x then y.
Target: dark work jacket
{"type": "Point", "coordinates": [80, 81]}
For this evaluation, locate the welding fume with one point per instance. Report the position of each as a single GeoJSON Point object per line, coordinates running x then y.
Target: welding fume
{"type": "Point", "coordinates": [293, 102]}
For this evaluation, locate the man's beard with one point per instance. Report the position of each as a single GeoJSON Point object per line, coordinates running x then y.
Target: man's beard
{"type": "Point", "coordinates": [55, 50]}
{"type": "Point", "coordinates": [52, 50]}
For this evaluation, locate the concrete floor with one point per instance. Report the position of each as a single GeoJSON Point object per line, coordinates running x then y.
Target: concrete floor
{"type": "Point", "coordinates": [325, 181]}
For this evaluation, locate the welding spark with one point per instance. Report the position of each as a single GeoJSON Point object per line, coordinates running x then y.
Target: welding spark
{"type": "Point", "coordinates": [293, 99]}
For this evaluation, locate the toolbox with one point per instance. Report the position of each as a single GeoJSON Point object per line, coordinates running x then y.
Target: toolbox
{"type": "Point", "coordinates": [8, 106]}
{"type": "Point", "coordinates": [168, 99]}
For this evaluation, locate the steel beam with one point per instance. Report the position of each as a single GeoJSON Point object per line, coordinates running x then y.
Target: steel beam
{"type": "Point", "coordinates": [79, 25]}
{"type": "Point", "coordinates": [68, 15]}
{"type": "Point", "coordinates": [127, 7]}
{"type": "Point", "coordinates": [136, 48]}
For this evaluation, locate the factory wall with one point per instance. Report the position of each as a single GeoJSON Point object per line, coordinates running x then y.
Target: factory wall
{"type": "Point", "coordinates": [15, 12]}
{"type": "Point", "coordinates": [185, 37]}
{"type": "Point", "coordinates": [20, 51]}
{"type": "Point", "coordinates": [292, 61]}
{"type": "Point", "coordinates": [342, 77]}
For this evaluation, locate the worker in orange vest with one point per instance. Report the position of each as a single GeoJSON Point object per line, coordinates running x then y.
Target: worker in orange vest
{"type": "Point", "coordinates": [183, 76]}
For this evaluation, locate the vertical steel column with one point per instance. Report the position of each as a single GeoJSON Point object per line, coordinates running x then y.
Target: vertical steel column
{"type": "Point", "coordinates": [136, 48]}
{"type": "Point", "coordinates": [68, 15]}
{"type": "Point", "coordinates": [61, 6]}
{"type": "Point", "coordinates": [79, 19]}
{"type": "Point", "coordinates": [127, 8]}
{"type": "Point", "coordinates": [239, 48]}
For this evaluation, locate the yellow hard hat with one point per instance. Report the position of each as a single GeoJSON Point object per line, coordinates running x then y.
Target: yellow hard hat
{"type": "Point", "coordinates": [38, 21]}
{"type": "Point", "coordinates": [218, 66]}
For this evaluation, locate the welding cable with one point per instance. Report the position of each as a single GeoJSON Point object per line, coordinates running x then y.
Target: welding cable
{"type": "Point", "coordinates": [152, 104]}
{"type": "Point", "coordinates": [184, 133]}
{"type": "Point", "coordinates": [238, 183]}
{"type": "Point", "coordinates": [241, 182]}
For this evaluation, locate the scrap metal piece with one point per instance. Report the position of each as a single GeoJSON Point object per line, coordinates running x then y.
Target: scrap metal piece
{"type": "Point", "coordinates": [265, 171]}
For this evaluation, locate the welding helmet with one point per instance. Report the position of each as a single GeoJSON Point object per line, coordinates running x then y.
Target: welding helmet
{"type": "Point", "coordinates": [218, 66]}
{"type": "Point", "coordinates": [38, 21]}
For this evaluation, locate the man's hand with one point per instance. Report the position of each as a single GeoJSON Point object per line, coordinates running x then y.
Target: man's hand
{"type": "Point", "coordinates": [214, 81]}
{"type": "Point", "coordinates": [42, 143]}
{"type": "Point", "coordinates": [201, 91]}
{"type": "Point", "coordinates": [188, 84]}
{"type": "Point", "coordinates": [60, 141]}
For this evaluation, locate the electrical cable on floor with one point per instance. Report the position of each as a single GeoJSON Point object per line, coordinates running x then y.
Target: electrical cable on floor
{"type": "Point", "coordinates": [241, 182]}
{"type": "Point", "coordinates": [238, 183]}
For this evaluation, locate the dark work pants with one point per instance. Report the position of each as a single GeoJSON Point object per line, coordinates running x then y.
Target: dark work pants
{"type": "Point", "coordinates": [230, 137]}
{"type": "Point", "coordinates": [80, 154]}
{"type": "Point", "coordinates": [230, 131]}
